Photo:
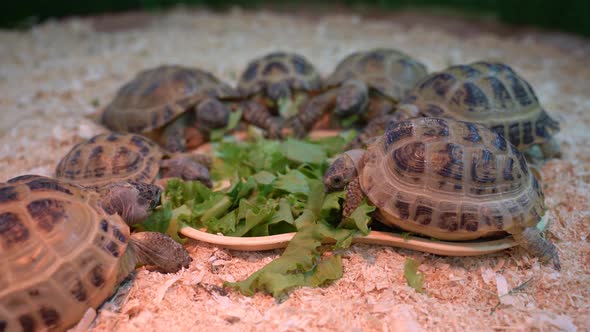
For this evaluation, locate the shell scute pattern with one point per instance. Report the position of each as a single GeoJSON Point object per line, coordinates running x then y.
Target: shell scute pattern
{"type": "Point", "coordinates": [477, 187]}
{"type": "Point", "coordinates": [390, 72]}
{"type": "Point", "coordinates": [492, 94]}
{"type": "Point", "coordinates": [277, 67]}
{"type": "Point", "coordinates": [46, 239]}
{"type": "Point", "coordinates": [155, 97]}
{"type": "Point", "coordinates": [111, 157]}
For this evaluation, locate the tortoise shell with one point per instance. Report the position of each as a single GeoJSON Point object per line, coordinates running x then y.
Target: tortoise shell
{"type": "Point", "coordinates": [157, 96]}
{"type": "Point", "coordinates": [60, 253]}
{"type": "Point", "coordinates": [107, 158]}
{"type": "Point", "coordinates": [450, 180]}
{"type": "Point", "coordinates": [388, 71]}
{"type": "Point", "coordinates": [277, 67]}
{"type": "Point", "coordinates": [488, 93]}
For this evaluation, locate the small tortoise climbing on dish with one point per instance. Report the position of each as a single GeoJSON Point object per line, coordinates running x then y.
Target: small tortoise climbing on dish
{"type": "Point", "coordinates": [107, 158]}
{"type": "Point", "coordinates": [489, 93]}
{"type": "Point", "coordinates": [446, 179]}
{"type": "Point", "coordinates": [64, 248]}
{"type": "Point", "coordinates": [176, 106]}
{"type": "Point", "coordinates": [368, 84]}
{"type": "Point", "coordinates": [270, 78]}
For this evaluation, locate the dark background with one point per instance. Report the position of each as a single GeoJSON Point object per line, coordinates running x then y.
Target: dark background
{"type": "Point", "coordinates": [563, 15]}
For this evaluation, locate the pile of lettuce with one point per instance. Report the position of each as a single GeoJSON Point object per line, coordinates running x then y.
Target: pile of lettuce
{"type": "Point", "coordinates": [274, 187]}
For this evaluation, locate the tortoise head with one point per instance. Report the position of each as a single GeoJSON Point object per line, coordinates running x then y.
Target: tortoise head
{"type": "Point", "coordinates": [278, 90]}
{"type": "Point", "coordinates": [132, 200]}
{"type": "Point", "coordinates": [212, 113]}
{"type": "Point", "coordinates": [343, 170]}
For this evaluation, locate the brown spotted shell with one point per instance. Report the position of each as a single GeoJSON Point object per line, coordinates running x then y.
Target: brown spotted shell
{"type": "Point", "coordinates": [277, 67]}
{"type": "Point", "coordinates": [450, 180]}
{"type": "Point", "coordinates": [108, 158]}
{"type": "Point", "coordinates": [488, 93]}
{"type": "Point", "coordinates": [60, 253]}
{"type": "Point", "coordinates": [157, 96]}
{"type": "Point", "coordinates": [388, 71]}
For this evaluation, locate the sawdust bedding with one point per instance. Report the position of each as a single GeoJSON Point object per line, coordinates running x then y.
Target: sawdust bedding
{"type": "Point", "coordinates": [55, 77]}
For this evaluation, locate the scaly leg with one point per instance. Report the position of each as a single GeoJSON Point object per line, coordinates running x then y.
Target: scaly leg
{"type": "Point", "coordinates": [530, 239]}
{"type": "Point", "coordinates": [354, 197]}
{"type": "Point", "coordinates": [173, 137]}
{"type": "Point", "coordinates": [378, 106]}
{"type": "Point", "coordinates": [550, 149]}
{"type": "Point", "coordinates": [311, 112]}
{"type": "Point", "coordinates": [153, 248]}
{"type": "Point", "coordinates": [372, 130]}
{"type": "Point", "coordinates": [258, 115]}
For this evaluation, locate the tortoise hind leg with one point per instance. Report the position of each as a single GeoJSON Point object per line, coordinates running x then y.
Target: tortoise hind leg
{"type": "Point", "coordinates": [550, 149]}
{"type": "Point", "coordinates": [538, 154]}
{"type": "Point", "coordinates": [530, 239]}
{"type": "Point", "coordinates": [153, 248]}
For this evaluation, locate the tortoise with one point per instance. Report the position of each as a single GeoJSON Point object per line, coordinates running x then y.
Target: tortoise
{"type": "Point", "coordinates": [367, 84]}
{"type": "Point", "coordinates": [175, 105]}
{"type": "Point", "coordinates": [64, 248]}
{"type": "Point", "coordinates": [271, 78]}
{"type": "Point", "coordinates": [113, 157]}
{"type": "Point", "coordinates": [447, 179]}
{"type": "Point", "coordinates": [489, 93]}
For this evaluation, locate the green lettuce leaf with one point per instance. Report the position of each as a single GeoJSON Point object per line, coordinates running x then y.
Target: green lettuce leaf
{"type": "Point", "coordinates": [224, 225]}
{"type": "Point", "coordinates": [292, 182]}
{"type": "Point", "coordinates": [414, 278]}
{"type": "Point", "coordinates": [303, 152]}
{"type": "Point", "coordinates": [359, 219]}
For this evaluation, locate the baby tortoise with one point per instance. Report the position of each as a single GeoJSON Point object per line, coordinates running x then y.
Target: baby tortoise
{"type": "Point", "coordinates": [270, 78]}
{"type": "Point", "coordinates": [108, 158]}
{"type": "Point", "coordinates": [171, 104]}
{"type": "Point", "coordinates": [64, 248]}
{"type": "Point", "coordinates": [446, 179]}
{"type": "Point", "coordinates": [489, 93]}
{"type": "Point", "coordinates": [368, 84]}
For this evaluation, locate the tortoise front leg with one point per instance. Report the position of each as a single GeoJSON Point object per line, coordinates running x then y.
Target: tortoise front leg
{"type": "Point", "coordinates": [256, 114]}
{"type": "Point", "coordinates": [378, 106]}
{"type": "Point", "coordinates": [354, 197]}
{"type": "Point", "coordinates": [153, 248]}
{"type": "Point", "coordinates": [311, 112]}
{"type": "Point", "coordinates": [375, 128]}
{"type": "Point", "coordinates": [173, 137]}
